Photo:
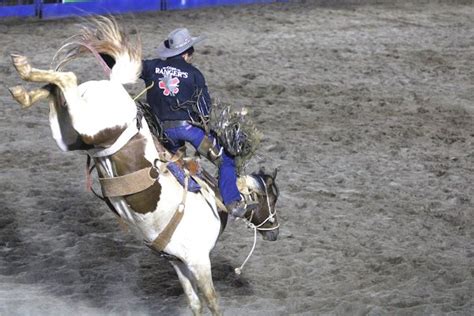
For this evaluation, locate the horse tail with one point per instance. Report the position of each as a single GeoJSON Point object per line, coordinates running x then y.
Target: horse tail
{"type": "Point", "coordinates": [116, 52]}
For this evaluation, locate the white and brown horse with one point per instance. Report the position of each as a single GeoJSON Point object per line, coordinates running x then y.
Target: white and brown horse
{"type": "Point", "coordinates": [101, 117]}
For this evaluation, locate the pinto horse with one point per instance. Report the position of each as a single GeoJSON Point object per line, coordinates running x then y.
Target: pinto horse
{"type": "Point", "coordinates": [100, 117]}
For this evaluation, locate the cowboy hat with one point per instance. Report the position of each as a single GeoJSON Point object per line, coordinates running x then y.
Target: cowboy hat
{"type": "Point", "coordinates": [178, 42]}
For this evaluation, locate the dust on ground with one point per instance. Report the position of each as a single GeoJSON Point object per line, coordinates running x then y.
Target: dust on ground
{"type": "Point", "coordinates": [367, 111]}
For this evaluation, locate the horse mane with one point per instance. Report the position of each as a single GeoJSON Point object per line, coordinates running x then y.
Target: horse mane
{"type": "Point", "coordinates": [262, 177]}
{"type": "Point", "coordinates": [102, 37]}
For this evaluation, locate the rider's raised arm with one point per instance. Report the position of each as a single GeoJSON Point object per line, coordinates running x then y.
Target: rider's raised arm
{"type": "Point", "coordinates": [204, 99]}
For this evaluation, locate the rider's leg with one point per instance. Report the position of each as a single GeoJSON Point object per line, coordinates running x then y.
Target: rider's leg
{"type": "Point", "coordinates": [175, 141]}
{"type": "Point", "coordinates": [178, 135]}
{"type": "Point", "coordinates": [227, 170]}
{"type": "Point", "coordinates": [228, 186]}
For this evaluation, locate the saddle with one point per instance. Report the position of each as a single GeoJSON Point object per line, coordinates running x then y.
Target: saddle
{"type": "Point", "coordinates": [198, 177]}
{"type": "Point", "coordinates": [178, 170]}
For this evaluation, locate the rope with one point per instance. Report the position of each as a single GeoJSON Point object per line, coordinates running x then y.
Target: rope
{"type": "Point", "coordinates": [255, 228]}
{"type": "Point", "coordinates": [143, 91]}
{"type": "Point", "coordinates": [238, 270]}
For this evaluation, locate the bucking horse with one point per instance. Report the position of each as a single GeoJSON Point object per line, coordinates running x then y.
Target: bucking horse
{"type": "Point", "coordinates": [133, 167]}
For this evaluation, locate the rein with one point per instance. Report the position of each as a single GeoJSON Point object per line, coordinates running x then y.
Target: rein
{"type": "Point", "coordinates": [248, 222]}
{"type": "Point", "coordinates": [143, 91]}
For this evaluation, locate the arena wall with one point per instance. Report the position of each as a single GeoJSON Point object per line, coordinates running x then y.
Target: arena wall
{"type": "Point", "coordinates": [64, 8]}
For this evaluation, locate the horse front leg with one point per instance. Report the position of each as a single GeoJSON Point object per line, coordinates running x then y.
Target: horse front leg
{"type": "Point", "coordinates": [188, 283]}
{"type": "Point", "coordinates": [28, 98]}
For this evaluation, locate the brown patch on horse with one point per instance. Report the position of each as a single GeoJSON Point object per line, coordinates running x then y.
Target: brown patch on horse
{"type": "Point", "coordinates": [132, 158]}
{"type": "Point", "coordinates": [105, 137]}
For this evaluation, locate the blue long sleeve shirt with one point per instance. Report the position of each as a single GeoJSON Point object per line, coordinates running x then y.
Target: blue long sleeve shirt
{"type": "Point", "coordinates": [179, 89]}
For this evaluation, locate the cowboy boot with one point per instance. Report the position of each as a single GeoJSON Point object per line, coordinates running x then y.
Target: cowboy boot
{"type": "Point", "coordinates": [240, 208]}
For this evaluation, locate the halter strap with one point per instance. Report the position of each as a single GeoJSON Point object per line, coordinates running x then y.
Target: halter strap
{"type": "Point", "coordinates": [258, 227]}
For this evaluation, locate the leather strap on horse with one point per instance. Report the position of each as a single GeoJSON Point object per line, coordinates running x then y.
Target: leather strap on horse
{"type": "Point", "coordinates": [164, 237]}
{"type": "Point", "coordinates": [220, 205]}
{"type": "Point", "coordinates": [130, 183]}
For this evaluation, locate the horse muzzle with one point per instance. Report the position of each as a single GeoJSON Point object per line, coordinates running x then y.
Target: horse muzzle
{"type": "Point", "coordinates": [270, 235]}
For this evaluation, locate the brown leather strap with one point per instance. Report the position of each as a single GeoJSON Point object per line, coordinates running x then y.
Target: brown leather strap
{"type": "Point", "coordinates": [220, 205]}
{"type": "Point", "coordinates": [130, 183]}
{"type": "Point", "coordinates": [164, 237]}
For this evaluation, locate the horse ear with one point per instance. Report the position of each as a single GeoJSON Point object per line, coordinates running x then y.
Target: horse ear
{"type": "Point", "coordinates": [275, 172]}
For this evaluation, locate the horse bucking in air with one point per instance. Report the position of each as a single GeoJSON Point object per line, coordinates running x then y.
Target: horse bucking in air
{"type": "Point", "coordinates": [133, 167]}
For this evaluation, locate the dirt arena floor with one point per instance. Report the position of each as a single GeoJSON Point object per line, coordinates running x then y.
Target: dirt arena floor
{"type": "Point", "coordinates": [366, 110]}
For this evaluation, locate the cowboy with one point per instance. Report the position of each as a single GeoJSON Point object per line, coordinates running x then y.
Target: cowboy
{"type": "Point", "coordinates": [179, 98]}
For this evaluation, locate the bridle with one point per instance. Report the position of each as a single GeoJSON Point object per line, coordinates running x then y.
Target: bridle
{"type": "Point", "coordinates": [270, 218]}
{"type": "Point", "coordinates": [272, 212]}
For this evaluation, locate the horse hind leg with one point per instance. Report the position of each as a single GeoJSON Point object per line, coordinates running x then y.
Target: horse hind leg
{"type": "Point", "coordinates": [189, 286]}
{"type": "Point", "coordinates": [28, 98]}
{"type": "Point", "coordinates": [22, 66]}
{"type": "Point", "coordinates": [203, 276]}
{"type": "Point", "coordinates": [64, 80]}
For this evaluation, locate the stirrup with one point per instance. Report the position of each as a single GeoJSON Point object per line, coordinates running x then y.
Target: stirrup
{"type": "Point", "coordinates": [251, 201]}
{"type": "Point", "coordinates": [237, 208]}
{"type": "Point", "coordinates": [242, 207]}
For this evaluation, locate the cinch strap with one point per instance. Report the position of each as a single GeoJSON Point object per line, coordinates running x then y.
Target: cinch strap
{"type": "Point", "coordinates": [130, 183]}
{"type": "Point", "coordinates": [164, 237]}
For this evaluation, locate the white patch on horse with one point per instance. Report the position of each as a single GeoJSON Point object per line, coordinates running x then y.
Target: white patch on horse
{"type": "Point", "coordinates": [56, 129]}
{"type": "Point", "coordinates": [121, 71]}
{"type": "Point", "coordinates": [103, 104]}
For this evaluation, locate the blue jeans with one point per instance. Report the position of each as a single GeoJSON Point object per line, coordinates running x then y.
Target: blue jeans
{"type": "Point", "coordinates": [227, 174]}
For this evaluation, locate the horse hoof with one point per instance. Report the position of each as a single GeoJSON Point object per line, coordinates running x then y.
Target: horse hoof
{"type": "Point", "coordinates": [22, 65]}
{"type": "Point", "coordinates": [20, 94]}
